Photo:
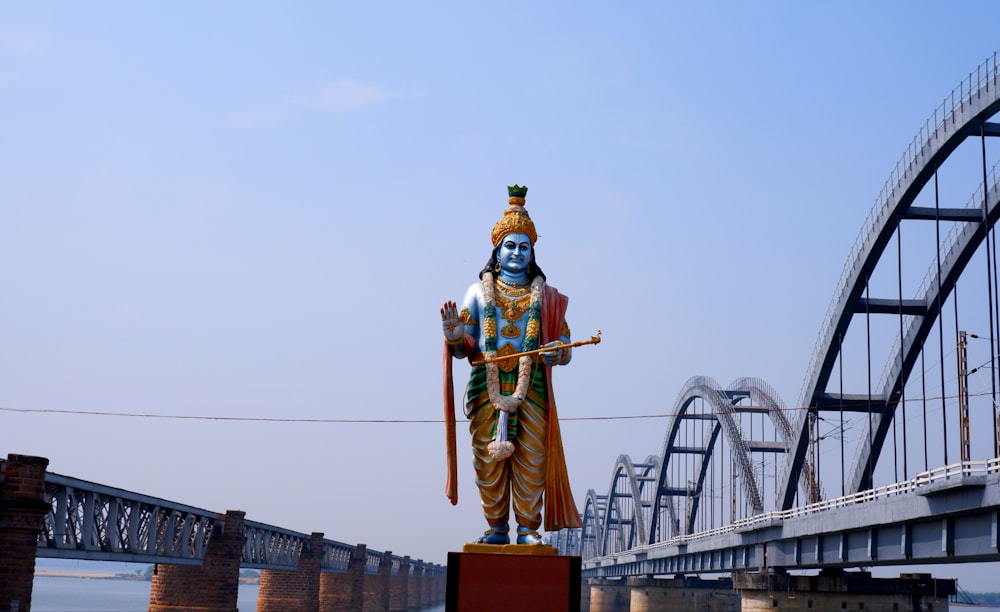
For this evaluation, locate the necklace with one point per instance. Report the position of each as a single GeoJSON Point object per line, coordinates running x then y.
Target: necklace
{"type": "Point", "coordinates": [512, 308]}
{"type": "Point", "coordinates": [530, 343]}
{"type": "Point", "coordinates": [501, 448]}
{"type": "Point", "coordinates": [512, 289]}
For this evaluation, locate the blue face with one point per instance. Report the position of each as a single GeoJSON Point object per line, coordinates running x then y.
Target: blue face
{"type": "Point", "coordinates": [514, 254]}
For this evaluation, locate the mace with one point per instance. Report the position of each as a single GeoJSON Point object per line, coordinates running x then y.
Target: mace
{"type": "Point", "coordinates": [547, 349]}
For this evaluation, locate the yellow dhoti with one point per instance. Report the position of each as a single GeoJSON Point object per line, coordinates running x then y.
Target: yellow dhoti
{"type": "Point", "coordinates": [519, 480]}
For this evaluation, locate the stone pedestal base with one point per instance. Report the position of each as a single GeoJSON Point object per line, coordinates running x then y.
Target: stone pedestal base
{"type": "Point", "coordinates": [535, 550]}
{"type": "Point", "coordinates": [480, 582]}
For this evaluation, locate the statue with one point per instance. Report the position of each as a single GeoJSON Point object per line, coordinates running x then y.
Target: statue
{"type": "Point", "coordinates": [516, 444]}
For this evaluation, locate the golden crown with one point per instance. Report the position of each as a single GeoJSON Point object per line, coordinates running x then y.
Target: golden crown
{"type": "Point", "coordinates": [515, 219]}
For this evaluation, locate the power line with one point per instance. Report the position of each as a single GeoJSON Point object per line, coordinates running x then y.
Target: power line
{"type": "Point", "coordinates": [283, 420]}
{"type": "Point", "coordinates": [195, 417]}
{"type": "Point", "coordinates": [209, 418]}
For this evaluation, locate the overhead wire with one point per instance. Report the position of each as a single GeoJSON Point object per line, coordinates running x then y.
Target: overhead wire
{"type": "Point", "coordinates": [202, 417]}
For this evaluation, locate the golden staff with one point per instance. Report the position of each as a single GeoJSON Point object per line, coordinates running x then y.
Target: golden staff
{"type": "Point", "coordinates": [548, 349]}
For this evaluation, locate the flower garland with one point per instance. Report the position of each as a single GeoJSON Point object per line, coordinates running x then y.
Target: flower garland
{"type": "Point", "coordinates": [501, 448]}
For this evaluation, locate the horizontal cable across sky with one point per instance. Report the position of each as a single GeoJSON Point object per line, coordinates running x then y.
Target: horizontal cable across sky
{"type": "Point", "coordinates": [337, 420]}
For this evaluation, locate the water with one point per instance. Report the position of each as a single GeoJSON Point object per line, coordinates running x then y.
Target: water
{"type": "Point", "coordinates": [59, 594]}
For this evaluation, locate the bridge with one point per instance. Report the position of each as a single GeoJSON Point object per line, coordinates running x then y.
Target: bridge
{"type": "Point", "coordinates": [898, 466]}
{"type": "Point", "coordinates": [198, 554]}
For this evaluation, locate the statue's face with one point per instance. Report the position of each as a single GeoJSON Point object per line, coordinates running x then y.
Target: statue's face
{"type": "Point", "coordinates": [514, 254]}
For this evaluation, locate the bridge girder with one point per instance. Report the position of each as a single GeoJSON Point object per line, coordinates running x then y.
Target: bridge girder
{"type": "Point", "coordinates": [637, 483]}
{"type": "Point", "coordinates": [724, 408]}
{"type": "Point", "coordinates": [927, 153]}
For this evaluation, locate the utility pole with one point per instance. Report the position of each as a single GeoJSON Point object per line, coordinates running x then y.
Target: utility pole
{"type": "Point", "coordinates": [732, 489]}
{"type": "Point", "coordinates": [963, 396]}
{"type": "Point", "coordinates": [688, 527]}
{"type": "Point", "coordinates": [811, 467]}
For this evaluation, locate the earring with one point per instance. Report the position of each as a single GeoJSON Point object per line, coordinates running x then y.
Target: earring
{"type": "Point", "coordinates": [496, 267]}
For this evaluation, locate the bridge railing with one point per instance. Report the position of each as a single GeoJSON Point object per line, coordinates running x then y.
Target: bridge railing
{"type": "Point", "coordinates": [94, 521]}
{"type": "Point", "coordinates": [923, 479]}
{"type": "Point", "coordinates": [372, 561]}
{"type": "Point", "coordinates": [87, 520]}
{"type": "Point", "coordinates": [336, 556]}
{"type": "Point", "coordinates": [271, 547]}
{"type": "Point", "coordinates": [958, 470]}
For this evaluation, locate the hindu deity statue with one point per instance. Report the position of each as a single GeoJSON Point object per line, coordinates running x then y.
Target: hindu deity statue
{"type": "Point", "coordinates": [516, 444]}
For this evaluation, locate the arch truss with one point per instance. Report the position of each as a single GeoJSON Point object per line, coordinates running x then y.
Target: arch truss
{"type": "Point", "coordinates": [737, 451]}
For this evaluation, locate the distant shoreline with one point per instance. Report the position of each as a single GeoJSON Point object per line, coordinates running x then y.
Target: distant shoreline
{"type": "Point", "coordinates": [95, 575]}
{"type": "Point", "coordinates": [111, 576]}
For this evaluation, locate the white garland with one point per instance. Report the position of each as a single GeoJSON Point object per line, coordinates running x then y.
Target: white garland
{"type": "Point", "coordinates": [502, 448]}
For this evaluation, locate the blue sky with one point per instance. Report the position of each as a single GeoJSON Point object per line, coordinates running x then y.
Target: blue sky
{"type": "Point", "coordinates": [257, 210]}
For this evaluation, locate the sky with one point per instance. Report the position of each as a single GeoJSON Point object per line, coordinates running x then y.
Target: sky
{"type": "Point", "coordinates": [232, 210]}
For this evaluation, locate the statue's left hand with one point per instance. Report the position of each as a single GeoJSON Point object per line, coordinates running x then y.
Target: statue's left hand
{"type": "Point", "coordinates": [552, 357]}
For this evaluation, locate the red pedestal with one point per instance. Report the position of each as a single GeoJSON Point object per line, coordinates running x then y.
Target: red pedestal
{"type": "Point", "coordinates": [505, 582]}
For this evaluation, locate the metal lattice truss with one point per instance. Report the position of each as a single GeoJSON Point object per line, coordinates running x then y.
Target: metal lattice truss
{"type": "Point", "coordinates": [272, 547]}
{"type": "Point", "coordinates": [373, 560]}
{"type": "Point", "coordinates": [87, 520]}
{"type": "Point", "coordinates": [336, 556]}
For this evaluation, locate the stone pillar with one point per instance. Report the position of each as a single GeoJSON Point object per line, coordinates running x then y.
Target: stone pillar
{"type": "Point", "coordinates": [836, 590]}
{"type": "Point", "coordinates": [340, 592]}
{"type": "Point", "coordinates": [440, 589]}
{"type": "Point", "coordinates": [212, 586]}
{"type": "Point", "coordinates": [430, 580]}
{"type": "Point", "coordinates": [399, 592]}
{"type": "Point", "coordinates": [22, 514]}
{"type": "Point", "coordinates": [427, 588]}
{"type": "Point", "coordinates": [609, 595]}
{"type": "Point", "coordinates": [377, 586]}
{"type": "Point", "coordinates": [584, 596]}
{"type": "Point", "coordinates": [298, 589]}
{"type": "Point", "coordinates": [415, 588]}
{"type": "Point", "coordinates": [647, 594]}
{"type": "Point", "coordinates": [441, 586]}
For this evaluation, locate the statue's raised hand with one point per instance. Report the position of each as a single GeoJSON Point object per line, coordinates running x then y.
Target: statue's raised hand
{"type": "Point", "coordinates": [453, 329]}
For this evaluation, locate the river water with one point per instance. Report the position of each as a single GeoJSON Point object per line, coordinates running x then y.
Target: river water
{"type": "Point", "coordinates": [58, 594]}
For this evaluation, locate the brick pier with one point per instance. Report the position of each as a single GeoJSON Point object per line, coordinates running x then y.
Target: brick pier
{"type": "Point", "coordinates": [209, 587]}
{"type": "Point", "coordinates": [22, 512]}
{"type": "Point", "coordinates": [298, 589]}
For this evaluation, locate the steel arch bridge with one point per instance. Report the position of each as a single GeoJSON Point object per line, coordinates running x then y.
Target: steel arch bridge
{"type": "Point", "coordinates": [734, 452]}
